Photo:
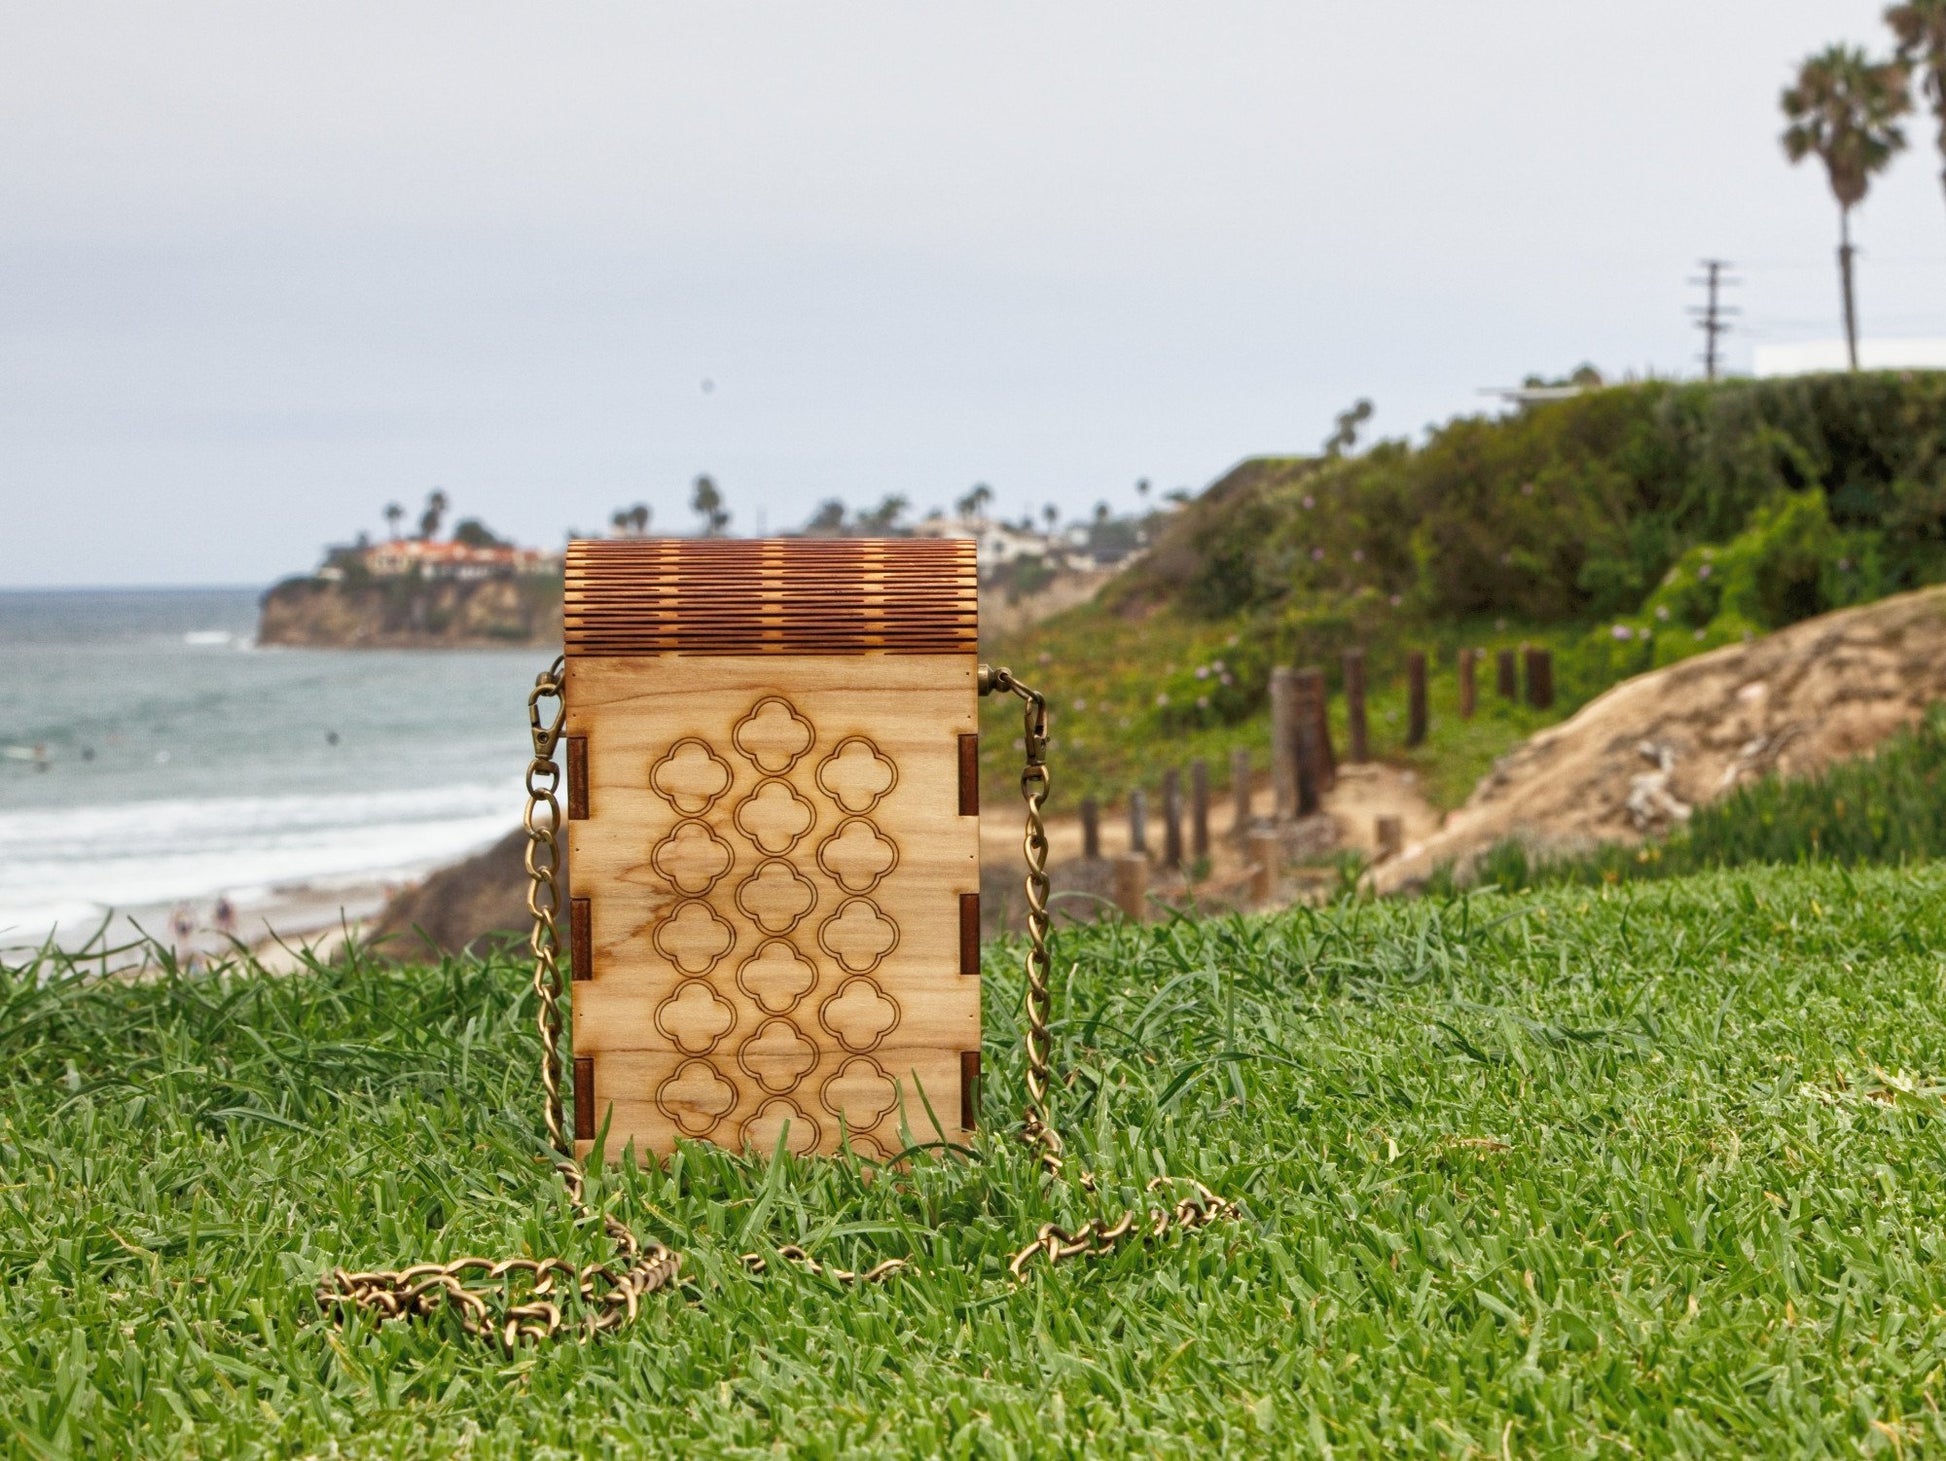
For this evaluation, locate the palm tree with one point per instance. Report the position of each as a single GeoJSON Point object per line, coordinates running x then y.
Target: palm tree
{"type": "Point", "coordinates": [974, 505]}
{"type": "Point", "coordinates": [435, 513]}
{"type": "Point", "coordinates": [394, 515]}
{"type": "Point", "coordinates": [638, 519]}
{"type": "Point", "coordinates": [881, 520]}
{"type": "Point", "coordinates": [708, 505]}
{"type": "Point", "coordinates": [1842, 109]}
{"type": "Point", "coordinates": [1920, 26]}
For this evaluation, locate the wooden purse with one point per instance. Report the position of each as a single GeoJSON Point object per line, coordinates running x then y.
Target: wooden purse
{"type": "Point", "coordinates": [773, 913]}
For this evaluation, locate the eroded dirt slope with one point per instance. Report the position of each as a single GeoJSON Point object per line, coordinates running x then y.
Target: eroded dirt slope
{"type": "Point", "coordinates": [1635, 761]}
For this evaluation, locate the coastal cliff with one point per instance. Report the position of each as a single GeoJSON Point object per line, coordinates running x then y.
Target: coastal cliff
{"type": "Point", "coordinates": [413, 613]}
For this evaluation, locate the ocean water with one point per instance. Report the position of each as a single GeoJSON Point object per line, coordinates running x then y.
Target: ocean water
{"type": "Point", "coordinates": [152, 759]}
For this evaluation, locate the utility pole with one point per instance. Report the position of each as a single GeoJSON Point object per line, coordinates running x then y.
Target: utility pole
{"type": "Point", "coordinates": [1712, 317]}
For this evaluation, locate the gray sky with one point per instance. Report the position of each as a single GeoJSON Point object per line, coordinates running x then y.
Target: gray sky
{"type": "Point", "coordinates": [264, 268]}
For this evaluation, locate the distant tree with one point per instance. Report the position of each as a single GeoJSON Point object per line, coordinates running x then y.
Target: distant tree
{"type": "Point", "coordinates": [882, 519]}
{"type": "Point", "coordinates": [1103, 512]}
{"type": "Point", "coordinates": [630, 522]}
{"type": "Point", "coordinates": [1050, 514]}
{"type": "Point", "coordinates": [974, 504]}
{"type": "Point", "coordinates": [1180, 496]}
{"type": "Point", "coordinates": [828, 521]}
{"type": "Point", "coordinates": [1346, 436]}
{"type": "Point", "coordinates": [394, 515]}
{"type": "Point", "coordinates": [638, 519]}
{"type": "Point", "coordinates": [707, 503]}
{"type": "Point", "coordinates": [618, 523]}
{"type": "Point", "coordinates": [1920, 27]}
{"type": "Point", "coordinates": [1142, 485]}
{"type": "Point", "coordinates": [475, 534]}
{"type": "Point", "coordinates": [435, 513]}
{"type": "Point", "coordinates": [1842, 109]}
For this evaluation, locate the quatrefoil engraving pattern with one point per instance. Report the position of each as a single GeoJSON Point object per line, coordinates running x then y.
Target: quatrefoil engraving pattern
{"type": "Point", "coordinates": [696, 1097]}
{"type": "Point", "coordinates": [859, 1015]}
{"type": "Point", "coordinates": [694, 937]}
{"type": "Point", "coordinates": [776, 896]}
{"type": "Point", "coordinates": [774, 866]}
{"type": "Point", "coordinates": [692, 857]}
{"type": "Point", "coordinates": [858, 935]}
{"type": "Point", "coordinates": [773, 735]}
{"type": "Point", "coordinates": [690, 777]}
{"type": "Point", "coordinates": [778, 1056]}
{"type": "Point", "coordinates": [861, 1093]}
{"type": "Point", "coordinates": [777, 976]}
{"type": "Point", "coordinates": [761, 1131]}
{"type": "Point", "coordinates": [695, 1017]}
{"type": "Point", "coordinates": [857, 856]}
{"type": "Point", "coordinates": [856, 775]}
{"type": "Point", "coordinates": [774, 817]}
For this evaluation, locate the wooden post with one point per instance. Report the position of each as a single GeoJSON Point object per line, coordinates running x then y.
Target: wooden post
{"type": "Point", "coordinates": [1310, 777]}
{"type": "Point", "coordinates": [1415, 691]}
{"type": "Point", "coordinates": [1172, 819]}
{"type": "Point", "coordinates": [1540, 678]}
{"type": "Point", "coordinates": [1506, 675]}
{"type": "Point", "coordinates": [1468, 686]}
{"type": "Point", "coordinates": [1266, 854]}
{"type": "Point", "coordinates": [1090, 828]}
{"type": "Point", "coordinates": [1355, 728]}
{"type": "Point", "coordinates": [1314, 699]}
{"type": "Point", "coordinates": [1199, 808]}
{"type": "Point", "coordinates": [1138, 822]}
{"type": "Point", "coordinates": [1240, 790]}
{"type": "Point", "coordinates": [1391, 836]}
{"type": "Point", "coordinates": [1132, 886]}
{"type": "Point", "coordinates": [1283, 742]}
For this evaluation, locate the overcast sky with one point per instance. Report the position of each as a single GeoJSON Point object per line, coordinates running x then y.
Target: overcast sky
{"type": "Point", "coordinates": [264, 268]}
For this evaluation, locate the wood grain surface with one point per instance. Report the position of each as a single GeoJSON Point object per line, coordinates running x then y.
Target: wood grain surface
{"type": "Point", "coordinates": [774, 859]}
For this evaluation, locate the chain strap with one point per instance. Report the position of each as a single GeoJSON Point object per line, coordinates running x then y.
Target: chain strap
{"type": "Point", "coordinates": [518, 1299]}
{"type": "Point", "coordinates": [1096, 1236]}
{"type": "Point", "coordinates": [1036, 1130]}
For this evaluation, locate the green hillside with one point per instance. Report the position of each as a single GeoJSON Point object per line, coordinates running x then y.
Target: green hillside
{"type": "Point", "coordinates": [1625, 528]}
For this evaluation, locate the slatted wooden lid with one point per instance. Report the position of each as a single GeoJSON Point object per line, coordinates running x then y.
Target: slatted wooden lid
{"type": "Point", "coordinates": [723, 596]}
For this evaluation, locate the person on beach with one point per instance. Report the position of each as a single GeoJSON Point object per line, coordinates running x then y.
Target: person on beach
{"type": "Point", "coordinates": [183, 922]}
{"type": "Point", "coordinates": [224, 917]}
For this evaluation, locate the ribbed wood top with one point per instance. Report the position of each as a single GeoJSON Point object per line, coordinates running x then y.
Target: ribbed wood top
{"type": "Point", "coordinates": [724, 596]}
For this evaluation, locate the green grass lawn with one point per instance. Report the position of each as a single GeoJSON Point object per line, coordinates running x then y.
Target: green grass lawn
{"type": "Point", "coordinates": [1649, 1169]}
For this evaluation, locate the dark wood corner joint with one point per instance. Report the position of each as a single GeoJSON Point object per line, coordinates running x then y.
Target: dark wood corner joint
{"type": "Point", "coordinates": [969, 774]}
{"type": "Point", "coordinates": [577, 778]}
{"type": "Point", "coordinates": [969, 933]}
{"type": "Point", "coordinates": [584, 1098]}
{"type": "Point", "coordinates": [969, 1089]}
{"type": "Point", "coordinates": [581, 939]}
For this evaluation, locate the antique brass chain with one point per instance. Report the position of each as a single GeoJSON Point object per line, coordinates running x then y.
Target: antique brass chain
{"type": "Point", "coordinates": [1054, 1243]}
{"type": "Point", "coordinates": [518, 1299]}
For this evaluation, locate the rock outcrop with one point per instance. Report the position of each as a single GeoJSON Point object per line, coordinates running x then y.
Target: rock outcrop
{"type": "Point", "coordinates": [410, 613]}
{"type": "Point", "coordinates": [459, 907]}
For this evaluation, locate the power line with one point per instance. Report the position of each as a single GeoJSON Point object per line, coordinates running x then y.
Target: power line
{"type": "Point", "coordinates": [1712, 316]}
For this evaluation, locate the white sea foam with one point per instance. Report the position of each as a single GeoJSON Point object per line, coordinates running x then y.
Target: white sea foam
{"type": "Point", "coordinates": [70, 867]}
{"type": "Point", "coordinates": [158, 763]}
